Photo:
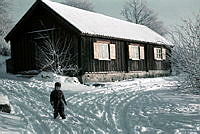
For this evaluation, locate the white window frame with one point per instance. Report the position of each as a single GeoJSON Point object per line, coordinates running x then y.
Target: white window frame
{"type": "Point", "coordinates": [134, 52]}
{"type": "Point", "coordinates": [157, 53]}
{"type": "Point", "coordinates": [104, 51]}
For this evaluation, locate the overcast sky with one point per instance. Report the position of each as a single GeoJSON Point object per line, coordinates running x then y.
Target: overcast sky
{"type": "Point", "coordinates": [169, 11]}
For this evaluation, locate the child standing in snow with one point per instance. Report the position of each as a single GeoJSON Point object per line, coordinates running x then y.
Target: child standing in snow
{"type": "Point", "coordinates": [57, 100]}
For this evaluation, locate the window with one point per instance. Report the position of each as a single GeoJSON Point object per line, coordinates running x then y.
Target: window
{"type": "Point", "coordinates": [164, 54]}
{"type": "Point", "coordinates": [157, 53]}
{"type": "Point", "coordinates": [134, 52]}
{"type": "Point", "coordinates": [160, 53]}
{"type": "Point", "coordinates": [141, 52]}
{"type": "Point", "coordinates": [104, 51]}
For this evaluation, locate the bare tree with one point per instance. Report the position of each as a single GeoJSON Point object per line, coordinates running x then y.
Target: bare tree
{"type": "Point", "coordinates": [136, 11]}
{"type": "Point", "coordinates": [3, 6]}
{"type": "Point", "coordinates": [186, 53]}
{"type": "Point", "coordinates": [5, 20]}
{"type": "Point", "coordinates": [5, 24]}
{"type": "Point", "coordinates": [82, 4]}
{"type": "Point", "coordinates": [55, 53]}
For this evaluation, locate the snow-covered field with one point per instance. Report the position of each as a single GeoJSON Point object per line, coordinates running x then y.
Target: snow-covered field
{"type": "Point", "coordinates": [140, 106]}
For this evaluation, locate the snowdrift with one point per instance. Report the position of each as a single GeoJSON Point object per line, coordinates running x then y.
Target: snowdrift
{"type": "Point", "coordinates": [139, 106]}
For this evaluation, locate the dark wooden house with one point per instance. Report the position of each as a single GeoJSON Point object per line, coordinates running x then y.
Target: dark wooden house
{"type": "Point", "coordinates": [107, 48]}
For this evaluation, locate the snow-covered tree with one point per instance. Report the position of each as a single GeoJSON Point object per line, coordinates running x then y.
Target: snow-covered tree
{"type": "Point", "coordinates": [136, 11]}
{"type": "Point", "coordinates": [55, 53]}
{"type": "Point", "coordinates": [5, 24]}
{"type": "Point", "coordinates": [82, 4]}
{"type": "Point", "coordinates": [186, 54]}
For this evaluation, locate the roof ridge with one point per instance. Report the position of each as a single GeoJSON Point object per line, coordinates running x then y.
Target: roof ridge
{"type": "Point", "coordinates": [96, 13]}
{"type": "Point", "coordinates": [104, 25]}
{"type": "Point", "coordinates": [98, 24]}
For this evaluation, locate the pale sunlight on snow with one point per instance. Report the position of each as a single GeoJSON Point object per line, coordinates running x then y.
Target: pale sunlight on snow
{"type": "Point", "coordinates": [146, 105]}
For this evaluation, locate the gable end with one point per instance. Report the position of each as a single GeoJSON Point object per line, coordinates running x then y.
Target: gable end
{"type": "Point", "coordinates": [30, 12]}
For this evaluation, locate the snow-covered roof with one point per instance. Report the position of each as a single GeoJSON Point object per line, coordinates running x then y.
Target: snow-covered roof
{"type": "Point", "coordinates": [99, 24]}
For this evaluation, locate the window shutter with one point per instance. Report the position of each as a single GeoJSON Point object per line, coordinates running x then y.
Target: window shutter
{"type": "Point", "coordinates": [155, 53]}
{"type": "Point", "coordinates": [142, 52]}
{"type": "Point", "coordinates": [130, 50]}
{"type": "Point", "coordinates": [96, 51]}
{"type": "Point", "coordinates": [163, 53]}
{"type": "Point", "coordinates": [112, 51]}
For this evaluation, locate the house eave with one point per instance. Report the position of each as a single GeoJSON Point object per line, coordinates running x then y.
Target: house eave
{"type": "Point", "coordinates": [123, 39]}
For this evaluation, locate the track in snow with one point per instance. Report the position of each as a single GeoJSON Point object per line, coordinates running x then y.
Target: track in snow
{"type": "Point", "coordinates": [127, 107]}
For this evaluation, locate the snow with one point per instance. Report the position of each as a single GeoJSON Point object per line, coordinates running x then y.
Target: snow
{"type": "Point", "coordinates": [142, 105]}
{"type": "Point", "coordinates": [3, 64]}
{"type": "Point", "coordinates": [68, 83]}
{"type": "Point", "coordinates": [4, 100]}
{"type": "Point", "coordinates": [3, 73]}
{"type": "Point", "coordinates": [98, 24]}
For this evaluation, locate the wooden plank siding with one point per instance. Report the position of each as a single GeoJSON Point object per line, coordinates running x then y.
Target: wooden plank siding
{"type": "Point", "coordinates": [95, 65]}
{"type": "Point", "coordinates": [23, 46]}
{"type": "Point", "coordinates": [122, 63]}
{"type": "Point", "coordinates": [153, 64]}
{"type": "Point", "coordinates": [23, 54]}
{"type": "Point", "coordinates": [136, 65]}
